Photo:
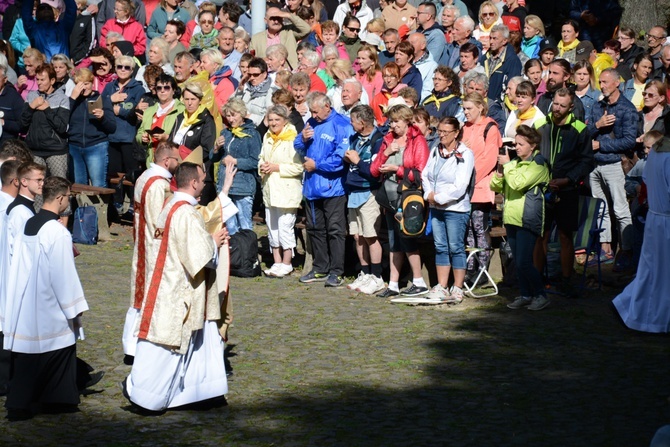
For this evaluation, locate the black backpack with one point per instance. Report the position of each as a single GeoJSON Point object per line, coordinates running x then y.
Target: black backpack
{"type": "Point", "coordinates": [244, 254]}
{"type": "Point", "coordinates": [412, 212]}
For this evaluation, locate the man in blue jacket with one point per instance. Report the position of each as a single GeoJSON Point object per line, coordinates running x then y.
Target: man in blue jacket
{"type": "Point", "coordinates": [500, 63]}
{"type": "Point", "coordinates": [613, 127]}
{"type": "Point", "coordinates": [50, 32]}
{"type": "Point", "coordinates": [323, 143]}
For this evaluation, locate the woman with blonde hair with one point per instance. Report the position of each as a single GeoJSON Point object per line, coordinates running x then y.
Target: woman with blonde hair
{"type": "Point", "coordinates": [220, 75]}
{"type": "Point", "coordinates": [369, 72]}
{"type": "Point", "coordinates": [533, 33]}
{"type": "Point", "coordinates": [489, 16]}
{"type": "Point", "coordinates": [32, 58]}
{"type": "Point", "coordinates": [280, 168]}
{"type": "Point", "coordinates": [239, 144]}
{"type": "Point", "coordinates": [159, 56]}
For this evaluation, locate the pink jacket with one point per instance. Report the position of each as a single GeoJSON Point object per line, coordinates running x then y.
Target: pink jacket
{"type": "Point", "coordinates": [486, 156]}
{"type": "Point", "coordinates": [371, 87]}
{"type": "Point", "coordinates": [132, 31]}
{"type": "Point", "coordinates": [341, 49]}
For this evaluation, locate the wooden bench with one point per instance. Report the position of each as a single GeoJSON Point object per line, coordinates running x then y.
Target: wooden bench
{"type": "Point", "coordinates": [88, 195]}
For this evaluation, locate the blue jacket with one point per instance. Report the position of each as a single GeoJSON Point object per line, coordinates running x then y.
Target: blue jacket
{"type": "Point", "coordinates": [326, 148]}
{"type": "Point", "coordinates": [246, 150]}
{"type": "Point", "coordinates": [628, 88]}
{"type": "Point", "coordinates": [413, 79]}
{"type": "Point", "coordinates": [50, 37]}
{"type": "Point", "coordinates": [498, 76]}
{"type": "Point", "coordinates": [159, 19]}
{"type": "Point", "coordinates": [590, 97]}
{"type": "Point", "coordinates": [85, 129]}
{"type": "Point", "coordinates": [358, 177]}
{"type": "Point", "coordinates": [618, 138]}
{"type": "Point", "coordinates": [126, 120]}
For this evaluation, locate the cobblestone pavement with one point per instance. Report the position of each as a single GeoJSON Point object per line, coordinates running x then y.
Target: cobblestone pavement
{"type": "Point", "coordinates": [321, 367]}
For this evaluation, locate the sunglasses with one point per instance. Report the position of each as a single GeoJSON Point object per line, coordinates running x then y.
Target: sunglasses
{"type": "Point", "coordinates": [207, 22]}
{"type": "Point", "coordinates": [124, 67]}
{"type": "Point", "coordinates": [648, 95]}
{"type": "Point", "coordinates": [488, 14]}
{"type": "Point", "coordinates": [254, 74]}
{"type": "Point", "coordinates": [163, 88]}
{"type": "Point", "coordinates": [353, 30]}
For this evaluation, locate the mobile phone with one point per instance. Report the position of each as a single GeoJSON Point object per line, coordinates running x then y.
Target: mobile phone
{"type": "Point", "coordinates": [502, 150]}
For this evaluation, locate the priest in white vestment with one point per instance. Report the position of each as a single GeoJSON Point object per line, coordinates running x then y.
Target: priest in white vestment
{"type": "Point", "coordinates": [9, 191]}
{"type": "Point", "coordinates": [179, 355]}
{"type": "Point", "coordinates": [42, 317]}
{"type": "Point", "coordinates": [152, 191]}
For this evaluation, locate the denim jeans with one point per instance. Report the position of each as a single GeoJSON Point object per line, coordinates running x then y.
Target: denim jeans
{"type": "Point", "coordinates": [449, 237]}
{"type": "Point", "coordinates": [90, 162]}
{"type": "Point", "coordinates": [242, 220]}
{"type": "Point", "coordinates": [522, 242]}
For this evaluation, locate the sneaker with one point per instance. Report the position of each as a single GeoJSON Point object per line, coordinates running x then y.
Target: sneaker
{"type": "Point", "coordinates": [272, 271]}
{"type": "Point", "coordinates": [285, 269]}
{"type": "Point", "coordinates": [415, 290]}
{"type": "Point", "coordinates": [361, 279]}
{"type": "Point", "coordinates": [388, 293]}
{"type": "Point", "coordinates": [334, 281]}
{"type": "Point", "coordinates": [313, 277]}
{"type": "Point", "coordinates": [519, 302]}
{"type": "Point", "coordinates": [373, 285]}
{"type": "Point", "coordinates": [456, 296]}
{"type": "Point", "coordinates": [438, 293]}
{"type": "Point", "coordinates": [539, 302]}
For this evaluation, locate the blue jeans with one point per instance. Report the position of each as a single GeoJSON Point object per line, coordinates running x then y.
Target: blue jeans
{"type": "Point", "coordinates": [90, 162]}
{"type": "Point", "coordinates": [449, 236]}
{"type": "Point", "coordinates": [522, 243]}
{"type": "Point", "coordinates": [242, 220]}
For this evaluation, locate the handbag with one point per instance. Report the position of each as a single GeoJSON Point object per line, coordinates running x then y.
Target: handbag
{"type": "Point", "coordinates": [387, 195]}
{"type": "Point", "coordinates": [85, 225]}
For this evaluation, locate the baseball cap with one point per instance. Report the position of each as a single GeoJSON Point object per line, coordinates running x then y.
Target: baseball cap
{"type": "Point", "coordinates": [548, 44]}
{"type": "Point", "coordinates": [584, 50]}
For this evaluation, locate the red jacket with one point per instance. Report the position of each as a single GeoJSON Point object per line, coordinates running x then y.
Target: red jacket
{"type": "Point", "coordinates": [132, 31]}
{"type": "Point", "coordinates": [415, 155]}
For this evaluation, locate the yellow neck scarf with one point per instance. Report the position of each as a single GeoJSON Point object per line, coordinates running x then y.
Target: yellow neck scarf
{"type": "Point", "coordinates": [191, 120]}
{"type": "Point", "coordinates": [562, 48]}
{"type": "Point", "coordinates": [238, 132]}
{"type": "Point", "coordinates": [509, 104]}
{"type": "Point", "coordinates": [438, 101]}
{"type": "Point", "coordinates": [527, 115]}
{"type": "Point", "coordinates": [485, 29]}
{"type": "Point", "coordinates": [287, 134]}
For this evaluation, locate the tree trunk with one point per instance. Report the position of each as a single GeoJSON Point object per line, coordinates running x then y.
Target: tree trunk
{"type": "Point", "coordinates": [641, 15]}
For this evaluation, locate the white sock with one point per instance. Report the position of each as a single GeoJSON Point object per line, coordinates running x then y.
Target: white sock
{"type": "Point", "coordinates": [419, 282]}
{"type": "Point", "coordinates": [393, 285]}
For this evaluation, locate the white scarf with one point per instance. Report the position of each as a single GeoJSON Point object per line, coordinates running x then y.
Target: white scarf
{"type": "Point", "coordinates": [163, 111]}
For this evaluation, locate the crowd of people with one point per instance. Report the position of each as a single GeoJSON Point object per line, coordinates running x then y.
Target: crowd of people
{"type": "Point", "coordinates": [326, 114]}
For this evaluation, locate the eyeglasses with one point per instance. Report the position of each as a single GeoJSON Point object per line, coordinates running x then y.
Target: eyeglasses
{"type": "Point", "coordinates": [423, 12]}
{"type": "Point", "coordinates": [445, 132]}
{"type": "Point", "coordinates": [124, 67]}
{"type": "Point", "coordinates": [353, 30]}
{"type": "Point", "coordinates": [207, 22]}
{"type": "Point", "coordinates": [389, 76]}
{"type": "Point", "coordinates": [38, 180]}
{"type": "Point", "coordinates": [488, 14]}
{"type": "Point", "coordinates": [651, 36]}
{"type": "Point", "coordinates": [254, 75]}
{"type": "Point", "coordinates": [649, 95]}
{"type": "Point", "coordinates": [435, 78]}
{"type": "Point", "coordinates": [276, 19]}
{"type": "Point", "coordinates": [163, 88]}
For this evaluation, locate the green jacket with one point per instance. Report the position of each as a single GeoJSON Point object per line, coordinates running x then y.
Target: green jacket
{"type": "Point", "coordinates": [168, 124]}
{"type": "Point", "coordinates": [523, 184]}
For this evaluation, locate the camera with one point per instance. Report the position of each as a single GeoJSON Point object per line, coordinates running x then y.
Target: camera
{"type": "Point", "coordinates": [508, 147]}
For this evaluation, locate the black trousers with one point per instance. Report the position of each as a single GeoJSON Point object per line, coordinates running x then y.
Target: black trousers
{"type": "Point", "coordinates": [5, 360]}
{"type": "Point", "coordinates": [50, 377]}
{"type": "Point", "coordinates": [326, 227]}
{"type": "Point", "coordinates": [122, 159]}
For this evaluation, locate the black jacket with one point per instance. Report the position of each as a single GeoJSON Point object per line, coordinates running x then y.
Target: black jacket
{"type": "Point", "coordinates": [202, 133]}
{"type": "Point", "coordinates": [567, 148]}
{"type": "Point", "coordinates": [11, 104]}
{"type": "Point", "coordinates": [545, 101]}
{"type": "Point", "coordinates": [46, 130]}
{"type": "Point", "coordinates": [82, 39]}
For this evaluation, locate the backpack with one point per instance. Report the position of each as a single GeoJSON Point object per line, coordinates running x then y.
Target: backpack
{"type": "Point", "coordinates": [244, 254]}
{"type": "Point", "coordinates": [412, 210]}
{"type": "Point", "coordinates": [85, 225]}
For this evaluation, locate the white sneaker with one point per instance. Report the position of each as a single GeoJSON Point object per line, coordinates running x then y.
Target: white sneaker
{"type": "Point", "coordinates": [272, 271]}
{"type": "Point", "coordinates": [285, 269]}
{"type": "Point", "coordinates": [437, 293]}
{"type": "Point", "coordinates": [539, 302]}
{"type": "Point", "coordinates": [372, 286]}
{"type": "Point", "coordinates": [361, 279]}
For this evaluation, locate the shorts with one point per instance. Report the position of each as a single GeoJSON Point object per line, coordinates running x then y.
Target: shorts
{"type": "Point", "coordinates": [564, 212]}
{"type": "Point", "coordinates": [366, 219]}
{"type": "Point", "coordinates": [398, 243]}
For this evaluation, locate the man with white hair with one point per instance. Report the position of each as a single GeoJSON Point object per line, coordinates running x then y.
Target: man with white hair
{"type": "Point", "coordinates": [351, 96]}
{"type": "Point", "coordinates": [423, 62]}
{"type": "Point", "coordinates": [309, 65]}
{"type": "Point", "coordinates": [460, 34]}
{"type": "Point", "coordinates": [501, 62]}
